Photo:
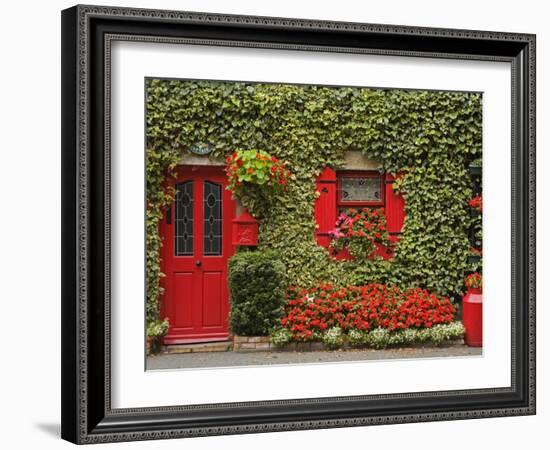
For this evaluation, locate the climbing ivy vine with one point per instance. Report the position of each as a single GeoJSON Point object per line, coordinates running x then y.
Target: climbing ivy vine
{"type": "Point", "coordinates": [429, 136]}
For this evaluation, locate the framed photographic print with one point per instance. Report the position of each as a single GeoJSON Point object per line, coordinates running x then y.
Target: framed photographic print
{"type": "Point", "coordinates": [280, 224]}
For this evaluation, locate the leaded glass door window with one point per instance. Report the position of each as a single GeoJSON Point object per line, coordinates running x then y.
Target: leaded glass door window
{"type": "Point", "coordinates": [184, 219]}
{"type": "Point", "coordinates": [212, 218]}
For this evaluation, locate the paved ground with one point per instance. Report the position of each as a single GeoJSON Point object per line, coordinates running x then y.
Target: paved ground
{"type": "Point", "coordinates": [228, 359]}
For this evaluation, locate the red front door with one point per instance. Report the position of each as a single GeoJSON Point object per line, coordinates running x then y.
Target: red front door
{"type": "Point", "coordinates": [196, 236]}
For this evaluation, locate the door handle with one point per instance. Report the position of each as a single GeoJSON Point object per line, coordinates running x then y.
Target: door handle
{"type": "Point", "coordinates": [198, 263]}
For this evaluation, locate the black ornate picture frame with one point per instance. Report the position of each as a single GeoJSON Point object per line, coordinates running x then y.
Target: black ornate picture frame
{"type": "Point", "coordinates": [87, 414]}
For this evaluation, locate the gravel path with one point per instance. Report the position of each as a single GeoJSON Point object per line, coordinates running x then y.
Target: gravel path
{"type": "Point", "coordinates": [229, 359]}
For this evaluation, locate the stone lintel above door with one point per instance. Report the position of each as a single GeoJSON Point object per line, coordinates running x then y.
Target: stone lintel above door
{"type": "Point", "coordinates": [356, 160]}
{"type": "Point", "coordinates": [198, 160]}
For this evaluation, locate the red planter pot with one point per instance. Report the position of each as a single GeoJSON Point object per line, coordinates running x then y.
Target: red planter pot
{"type": "Point", "coordinates": [472, 314]}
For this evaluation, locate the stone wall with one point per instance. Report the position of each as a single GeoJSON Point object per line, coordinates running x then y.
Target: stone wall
{"type": "Point", "coordinates": [356, 160]}
{"type": "Point", "coordinates": [252, 343]}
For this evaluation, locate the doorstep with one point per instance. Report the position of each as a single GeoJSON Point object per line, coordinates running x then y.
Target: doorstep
{"type": "Point", "coordinates": [199, 347]}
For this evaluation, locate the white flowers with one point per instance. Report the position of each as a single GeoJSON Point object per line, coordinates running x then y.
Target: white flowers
{"type": "Point", "coordinates": [379, 338]}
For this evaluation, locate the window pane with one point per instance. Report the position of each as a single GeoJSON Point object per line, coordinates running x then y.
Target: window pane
{"type": "Point", "coordinates": [360, 189]}
{"type": "Point", "coordinates": [183, 244]}
{"type": "Point", "coordinates": [212, 201]}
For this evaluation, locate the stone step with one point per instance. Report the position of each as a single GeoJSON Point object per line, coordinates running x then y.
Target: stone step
{"type": "Point", "coordinates": [198, 347]}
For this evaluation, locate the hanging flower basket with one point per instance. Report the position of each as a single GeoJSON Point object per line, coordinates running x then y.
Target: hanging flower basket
{"type": "Point", "coordinates": [256, 169]}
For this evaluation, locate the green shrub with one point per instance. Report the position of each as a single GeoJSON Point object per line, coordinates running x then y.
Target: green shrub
{"type": "Point", "coordinates": [409, 336]}
{"type": "Point", "coordinates": [357, 338]}
{"type": "Point", "coordinates": [379, 338]}
{"type": "Point", "coordinates": [257, 286]}
{"type": "Point", "coordinates": [281, 337]}
{"type": "Point", "coordinates": [333, 338]}
{"type": "Point", "coordinates": [157, 328]}
{"type": "Point", "coordinates": [441, 333]}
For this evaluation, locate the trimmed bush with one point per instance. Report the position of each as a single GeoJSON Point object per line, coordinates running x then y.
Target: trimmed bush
{"type": "Point", "coordinates": [333, 338]}
{"type": "Point", "coordinates": [257, 286]}
{"type": "Point", "coordinates": [281, 337]}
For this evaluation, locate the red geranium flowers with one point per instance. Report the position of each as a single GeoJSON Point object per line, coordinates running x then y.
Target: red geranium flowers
{"type": "Point", "coordinates": [359, 230]}
{"type": "Point", "coordinates": [477, 203]}
{"type": "Point", "coordinates": [312, 311]}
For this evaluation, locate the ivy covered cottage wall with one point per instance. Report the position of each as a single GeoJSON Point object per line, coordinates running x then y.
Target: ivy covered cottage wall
{"type": "Point", "coordinates": [430, 137]}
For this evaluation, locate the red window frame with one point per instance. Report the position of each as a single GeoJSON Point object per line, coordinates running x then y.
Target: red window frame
{"type": "Point", "coordinates": [363, 174]}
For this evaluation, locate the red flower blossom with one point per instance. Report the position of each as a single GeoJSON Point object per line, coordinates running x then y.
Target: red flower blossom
{"type": "Point", "coordinates": [474, 280]}
{"type": "Point", "coordinates": [477, 203]}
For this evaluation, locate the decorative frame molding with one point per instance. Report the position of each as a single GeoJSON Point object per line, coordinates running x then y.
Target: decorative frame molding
{"type": "Point", "coordinates": [87, 34]}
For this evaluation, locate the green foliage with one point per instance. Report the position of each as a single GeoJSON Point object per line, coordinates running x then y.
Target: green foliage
{"type": "Point", "coordinates": [157, 327]}
{"type": "Point", "coordinates": [257, 286]}
{"type": "Point", "coordinates": [333, 338]}
{"type": "Point", "coordinates": [255, 167]}
{"type": "Point", "coordinates": [431, 137]}
{"type": "Point", "coordinates": [281, 336]}
{"type": "Point", "coordinates": [380, 338]}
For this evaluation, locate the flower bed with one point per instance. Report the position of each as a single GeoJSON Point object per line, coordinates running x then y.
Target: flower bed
{"type": "Point", "coordinates": [372, 315]}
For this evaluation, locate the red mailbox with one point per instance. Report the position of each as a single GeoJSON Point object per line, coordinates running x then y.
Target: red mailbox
{"type": "Point", "coordinates": [245, 230]}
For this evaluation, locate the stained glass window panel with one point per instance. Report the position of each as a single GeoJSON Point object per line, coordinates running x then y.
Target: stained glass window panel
{"type": "Point", "coordinates": [183, 236]}
{"type": "Point", "coordinates": [212, 223]}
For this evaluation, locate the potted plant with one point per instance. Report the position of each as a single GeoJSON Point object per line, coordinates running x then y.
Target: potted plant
{"type": "Point", "coordinates": [472, 309]}
{"type": "Point", "coordinates": [155, 331]}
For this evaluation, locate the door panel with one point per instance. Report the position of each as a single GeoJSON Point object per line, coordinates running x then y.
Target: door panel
{"type": "Point", "coordinates": [196, 247]}
{"type": "Point", "coordinates": [212, 292]}
{"type": "Point", "coordinates": [183, 288]}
